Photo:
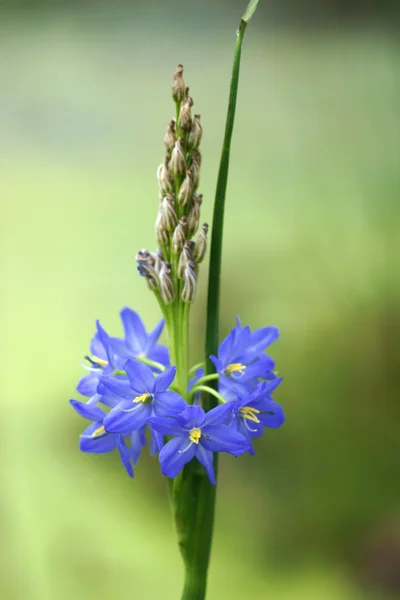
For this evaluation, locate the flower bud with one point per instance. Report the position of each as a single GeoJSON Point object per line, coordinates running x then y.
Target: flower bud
{"type": "Point", "coordinates": [195, 134]}
{"type": "Point", "coordinates": [161, 231]}
{"type": "Point", "coordinates": [189, 278]}
{"type": "Point", "coordinates": [170, 137]}
{"type": "Point", "coordinates": [185, 116]}
{"type": "Point", "coordinates": [169, 215]}
{"type": "Point", "coordinates": [179, 236]}
{"type": "Point", "coordinates": [146, 269]}
{"type": "Point", "coordinates": [178, 162]}
{"type": "Point", "coordinates": [185, 257]}
{"type": "Point", "coordinates": [194, 215]}
{"type": "Point", "coordinates": [166, 283]}
{"type": "Point", "coordinates": [200, 248]}
{"type": "Point", "coordinates": [186, 190]}
{"type": "Point", "coordinates": [195, 169]}
{"type": "Point", "coordinates": [164, 177]}
{"type": "Point", "coordinates": [178, 85]}
{"type": "Point", "coordinates": [196, 157]}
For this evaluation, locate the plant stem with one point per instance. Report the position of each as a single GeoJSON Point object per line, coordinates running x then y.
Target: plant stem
{"type": "Point", "coordinates": [193, 496]}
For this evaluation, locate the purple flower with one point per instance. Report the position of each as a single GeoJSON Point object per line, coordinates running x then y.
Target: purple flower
{"type": "Point", "coordinates": [95, 439]}
{"type": "Point", "coordinates": [241, 362]}
{"type": "Point", "coordinates": [197, 434]}
{"type": "Point", "coordinates": [142, 395]}
{"type": "Point", "coordinates": [255, 411]}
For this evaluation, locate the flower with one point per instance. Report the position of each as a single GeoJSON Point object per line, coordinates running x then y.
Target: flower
{"type": "Point", "coordinates": [197, 434]}
{"type": "Point", "coordinates": [142, 395]}
{"type": "Point", "coordinates": [110, 353]}
{"type": "Point", "coordinates": [95, 439]}
{"type": "Point", "coordinates": [241, 362]}
{"type": "Point", "coordinates": [255, 411]}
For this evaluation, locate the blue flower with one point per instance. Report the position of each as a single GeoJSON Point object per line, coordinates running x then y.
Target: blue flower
{"type": "Point", "coordinates": [142, 395]}
{"type": "Point", "coordinates": [255, 411]}
{"type": "Point", "coordinates": [197, 434]}
{"type": "Point", "coordinates": [241, 362]}
{"type": "Point", "coordinates": [109, 353]}
{"type": "Point", "coordinates": [95, 439]}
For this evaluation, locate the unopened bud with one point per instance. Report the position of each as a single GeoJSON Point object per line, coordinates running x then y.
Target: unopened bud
{"type": "Point", "coordinates": [170, 137]}
{"type": "Point", "coordinates": [169, 215]}
{"type": "Point", "coordinates": [195, 169]}
{"type": "Point", "coordinates": [185, 116]}
{"type": "Point", "coordinates": [200, 248]}
{"type": "Point", "coordinates": [194, 215]}
{"type": "Point", "coordinates": [186, 190]}
{"type": "Point", "coordinates": [189, 278]}
{"type": "Point", "coordinates": [179, 236]}
{"type": "Point", "coordinates": [161, 231]}
{"type": "Point", "coordinates": [166, 284]}
{"type": "Point", "coordinates": [196, 157]}
{"type": "Point", "coordinates": [164, 177]}
{"type": "Point", "coordinates": [147, 270]}
{"type": "Point", "coordinates": [178, 85]}
{"type": "Point", "coordinates": [185, 257]}
{"type": "Point", "coordinates": [195, 134]}
{"type": "Point", "coordinates": [178, 162]}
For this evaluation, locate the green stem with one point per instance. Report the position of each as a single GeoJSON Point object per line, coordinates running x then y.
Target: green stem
{"type": "Point", "coordinates": [209, 390]}
{"type": "Point", "coordinates": [193, 369]}
{"type": "Point", "coordinates": [207, 378]}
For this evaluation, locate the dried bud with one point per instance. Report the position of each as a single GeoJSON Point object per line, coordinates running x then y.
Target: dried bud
{"type": "Point", "coordinates": [195, 134]}
{"type": "Point", "coordinates": [178, 162]}
{"type": "Point", "coordinates": [189, 278]}
{"type": "Point", "coordinates": [161, 231]}
{"type": "Point", "coordinates": [170, 137]}
{"type": "Point", "coordinates": [179, 236]}
{"type": "Point", "coordinates": [200, 248]}
{"type": "Point", "coordinates": [184, 258]}
{"type": "Point", "coordinates": [166, 284]}
{"type": "Point", "coordinates": [169, 215]}
{"type": "Point", "coordinates": [165, 179]}
{"type": "Point", "coordinates": [178, 85]}
{"type": "Point", "coordinates": [195, 169]}
{"type": "Point", "coordinates": [185, 116]}
{"type": "Point", "coordinates": [196, 157]}
{"type": "Point", "coordinates": [194, 215]}
{"type": "Point", "coordinates": [186, 190]}
{"type": "Point", "coordinates": [158, 258]}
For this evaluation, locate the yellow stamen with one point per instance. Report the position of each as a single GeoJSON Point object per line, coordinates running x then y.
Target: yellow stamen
{"type": "Point", "coordinates": [234, 368]}
{"type": "Point", "coordinates": [250, 413]}
{"type": "Point", "coordinates": [195, 435]}
{"type": "Point", "coordinates": [100, 361]}
{"type": "Point", "coordinates": [145, 398]}
{"type": "Point", "coordinates": [98, 431]}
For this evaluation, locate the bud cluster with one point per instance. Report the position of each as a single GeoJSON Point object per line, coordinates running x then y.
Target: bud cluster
{"type": "Point", "coordinates": [173, 269]}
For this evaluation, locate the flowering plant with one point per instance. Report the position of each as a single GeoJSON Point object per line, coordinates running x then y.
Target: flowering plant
{"type": "Point", "coordinates": [136, 385]}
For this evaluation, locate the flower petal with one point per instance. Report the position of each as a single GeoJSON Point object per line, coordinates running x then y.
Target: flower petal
{"type": "Point", "coordinates": [206, 458]}
{"type": "Point", "coordinates": [219, 415]}
{"type": "Point", "coordinates": [159, 353]}
{"type": "Point", "coordinates": [140, 376]}
{"type": "Point", "coordinates": [167, 426]}
{"type": "Point", "coordinates": [168, 404]}
{"type": "Point", "coordinates": [135, 332]}
{"type": "Point", "coordinates": [221, 438]}
{"type": "Point", "coordinates": [153, 336]}
{"type": "Point", "coordinates": [175, 454]}
{"type": "Point", "coordinates": [164, 380]}
{"type": "Point", "coordinates": [88, 411]}
{"type": "Point", "coordinates": [156, 442]}
{"type": "Point", "coordinates": [125, 454]}
{"type": "Point", "coordinates": [87, 385]}
{"type": "Point", "coordinates": [127, 417]}
{"type": "Point", "coordinates": [262, 338]}
{"type": "Point", "coordinates": [97, 347]}
{"type": "Point", "coordinates": [138, 440]}
{"type": "Point", "coordinates": [100, 444]}
{"type": "Point", "coordinates": [192, 416]}
{"type": "Point", "coordinates": [271, 414]}
{"type": "Point", "coordinates": [118, 386]}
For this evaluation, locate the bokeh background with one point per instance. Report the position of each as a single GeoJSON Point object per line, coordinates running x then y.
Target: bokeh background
{"type": "Point", "coordinates": [311, 245]}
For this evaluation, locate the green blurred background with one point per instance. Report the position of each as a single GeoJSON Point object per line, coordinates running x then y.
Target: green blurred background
{"type": "Point", "coordinates": [311, 245]}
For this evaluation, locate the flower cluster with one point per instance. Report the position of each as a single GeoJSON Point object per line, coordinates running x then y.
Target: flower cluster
{"type": "Point", "coordinates": [130, 387]}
